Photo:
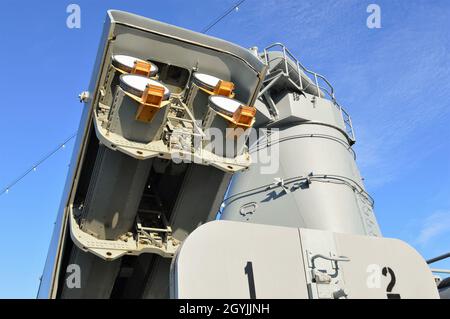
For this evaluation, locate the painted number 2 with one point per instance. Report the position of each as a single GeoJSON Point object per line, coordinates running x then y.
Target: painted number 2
{"type": "Point", "coordinates": [388, 271]}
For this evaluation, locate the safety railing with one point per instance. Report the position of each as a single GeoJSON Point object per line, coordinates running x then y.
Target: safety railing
{"type": "Point", "coordinates": [322, 85]}
{"type": "Point", "coordinates": [319, 81]}
{"type": "Point", "coordinates": [436, 259]}
{"type": "Point", "coordinates": [347, 122]}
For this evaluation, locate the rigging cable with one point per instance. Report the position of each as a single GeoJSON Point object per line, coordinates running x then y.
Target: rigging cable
{"type": "Point", "coordinates": [62, 145]}
{"type": "Point", "coordinates": [220, 18]}
{"type": "Point", "coordinates": [33, 168]}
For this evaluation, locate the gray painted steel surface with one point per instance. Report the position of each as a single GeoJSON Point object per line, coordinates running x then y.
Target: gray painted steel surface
{"type": "Point", "coordinates": [312, 155]}
{"type": "Point", "coordinates": [224, 259]}
{"type": "Point", "coordinates": [126, 33]}
{"type": "Point", "coordinates": [315, 184]}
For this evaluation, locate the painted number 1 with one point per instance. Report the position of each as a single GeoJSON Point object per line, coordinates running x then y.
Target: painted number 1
{"type": "Point", "coordinates": [251, 279]}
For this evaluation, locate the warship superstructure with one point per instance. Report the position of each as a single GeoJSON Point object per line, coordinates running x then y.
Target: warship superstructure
{"type": "Point", "coordinates": [206, 170]}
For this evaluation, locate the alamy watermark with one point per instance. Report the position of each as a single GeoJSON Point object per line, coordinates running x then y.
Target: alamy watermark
{"type": "Point", "coordinates": [73, 279]}
{"type": "Point", "coordinates": [73, 20]}
{"type": "Point", "coordinates": [262, 145]}
{"type": "Point", "coordinates": [374, 19]}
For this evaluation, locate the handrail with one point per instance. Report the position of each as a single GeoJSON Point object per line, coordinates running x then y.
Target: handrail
{"type": "Point", "coordinates": [438, 258]}
{"type": "Point", "coordinates": [440, 271]}
{"type": "Point", "coordinates": [299, 65]}
{"type": "Point", "coordinates": [317, 178]}
{"type": "Point", "coordinates": [329, 90]}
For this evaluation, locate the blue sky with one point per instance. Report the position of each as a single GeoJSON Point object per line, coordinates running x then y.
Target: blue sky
{"type": "Point", "coordinates": [394, 81]}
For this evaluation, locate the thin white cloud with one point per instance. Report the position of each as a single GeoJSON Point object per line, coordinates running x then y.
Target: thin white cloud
{"type": "Point", "coordinates": [434, 226]}
{"type": "Point", "coordinates": [393, 81]}
{"type": "Point", "coordinates": [403, 113]}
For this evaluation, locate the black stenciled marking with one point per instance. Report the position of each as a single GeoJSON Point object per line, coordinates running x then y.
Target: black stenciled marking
{"type": "Point", "coordinates": [391, 284]}
{"type": "Point", "coordinates": [251, 279]}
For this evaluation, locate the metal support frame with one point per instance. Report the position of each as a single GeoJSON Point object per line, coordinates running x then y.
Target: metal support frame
{"type": "Point", "coordinates": [161, 149]}
{"type": "Point", "coordinates": [147, 240]}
